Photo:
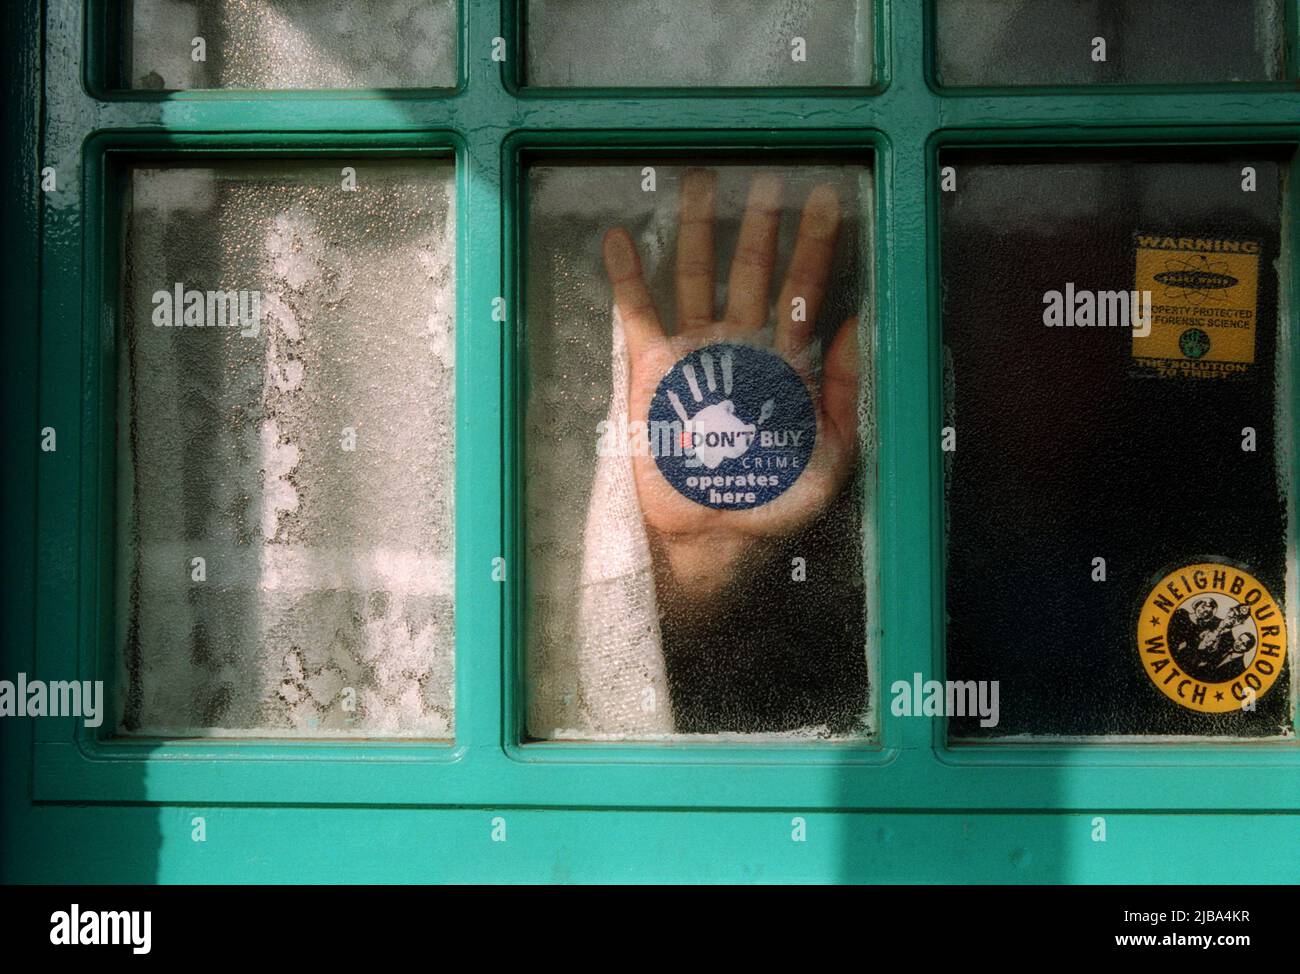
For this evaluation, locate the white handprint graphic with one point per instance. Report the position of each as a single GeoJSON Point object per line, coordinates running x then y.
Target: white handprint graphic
{"type": "Point", "coordinates": [715, 433]}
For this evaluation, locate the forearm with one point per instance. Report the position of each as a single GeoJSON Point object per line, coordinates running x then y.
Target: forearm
{"type": "Point", "coordinates": [694, 571]}
{"type": "Point", "coordinates": [768, 653]}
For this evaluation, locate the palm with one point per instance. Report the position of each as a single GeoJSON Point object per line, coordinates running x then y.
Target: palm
{"type": "Point", "coordinates": [702, 544]}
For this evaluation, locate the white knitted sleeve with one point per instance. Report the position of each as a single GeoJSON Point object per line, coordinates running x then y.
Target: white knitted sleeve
{"type": "Point", "coordinates": [622, 685]}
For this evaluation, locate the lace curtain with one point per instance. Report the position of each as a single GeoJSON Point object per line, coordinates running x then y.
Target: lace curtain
{"type": "Point", "coordinates": [309, 465]}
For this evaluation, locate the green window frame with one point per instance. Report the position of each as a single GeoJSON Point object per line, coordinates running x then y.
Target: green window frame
{"type": "Point", "coordinates": [490, 123]}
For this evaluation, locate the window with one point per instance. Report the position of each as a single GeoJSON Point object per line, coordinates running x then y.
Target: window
{"type": "Point", "coordinates": [428, 221]}
{"type": "Point", "coordinates": [1132, 297]}
{"type": "Point", "coordinates": [268, 44]}
{"type": "Point", "coordinates": [727, 43]}
{"type": "Point", "coordinates": [285, 402]}
{"type": "Point", "coordinates": [1089, 42]}
{"type": "Point", "coordinates": [669, 590]}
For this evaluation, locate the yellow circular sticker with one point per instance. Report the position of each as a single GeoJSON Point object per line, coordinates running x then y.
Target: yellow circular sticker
{"type": "Point", "coordinates": [1212, 638]}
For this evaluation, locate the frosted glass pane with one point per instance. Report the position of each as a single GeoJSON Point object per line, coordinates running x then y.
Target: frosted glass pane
{"type": "Point", "coordinates": [660, 603]}
{"type": "Point", "coordinates": [1111, 325]}
{"type": "Point", "coordinates": [306, 457]}
{"type": "Point", "coordinates": [290, 44]}
{"type": "Point", "coordinates": [1053, 42]}
{"type": "Point", "coordinates": [667, 43]}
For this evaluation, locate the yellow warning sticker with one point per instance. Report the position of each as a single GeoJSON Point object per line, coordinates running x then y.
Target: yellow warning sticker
{"type": "Point", "coordinates": [1203, 293]}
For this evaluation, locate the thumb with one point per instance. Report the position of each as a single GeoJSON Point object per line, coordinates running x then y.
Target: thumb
{"type": "Point", "coordinates": [839, 392]}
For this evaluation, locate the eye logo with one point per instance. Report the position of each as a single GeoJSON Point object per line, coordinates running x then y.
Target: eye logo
{"type": "Point", "coordinates": [1193, 280]}
{"type": "Point", "coordinates": [734, 425]}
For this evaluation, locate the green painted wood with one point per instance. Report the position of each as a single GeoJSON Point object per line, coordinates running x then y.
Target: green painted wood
{"type": "Point", "coordinates": [408, 845]}
{"type": "Point", "coordinates": [906, 809]}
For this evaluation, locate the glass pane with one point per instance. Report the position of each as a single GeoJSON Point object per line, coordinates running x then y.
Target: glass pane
{"type": "Point", "coordinates": [673, 43]}
{"type": "Point", "coordinates": [1069, 42]}
{"type": "Point", "coordinates": [695, 496]}
{"type": "Point", "coordinates": [1117, 499]}
{"type": "Point", "coordinates": [179, 44]}
{"type": "Point", "coordinates": [304, 452]}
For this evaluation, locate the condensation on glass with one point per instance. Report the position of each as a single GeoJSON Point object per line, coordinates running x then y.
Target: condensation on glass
{"type": "Point", "coordinates": [621, 644]}
{"type": "Point", "coordinates": [284, 546]}
{"type": "Point", "coordinates": [1103, 457]}
{"type": "Point", "coordinates": [678, 43]}
{"type": "Point", "coordinates": [180, 44]}
{"type": "Point", "coordinates": [1082, 42]}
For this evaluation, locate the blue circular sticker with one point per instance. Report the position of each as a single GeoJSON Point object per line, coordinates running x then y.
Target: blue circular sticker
{"type": "Point", "coordinates": [732, 426]}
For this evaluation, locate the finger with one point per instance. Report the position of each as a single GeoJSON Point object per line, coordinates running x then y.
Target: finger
{"type": "Point", "coordinates": [641, 325]}
{"type": "Point", "coordinates": [695, 250]}
{"type": "Point", "coordinates": [810, 267]}
{"type": "Point", "coordinates": [751, 268]}
{"type": "Point", "coordinates": [839, 388]}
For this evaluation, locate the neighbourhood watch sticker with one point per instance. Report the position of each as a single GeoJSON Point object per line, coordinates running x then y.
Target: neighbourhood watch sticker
{"type": "Point", "coordinates": [1212, 638]}
{"type": "Point", "coordinates": [1204, 294]}
{"type": "Point", "coordinates": [733, 426]}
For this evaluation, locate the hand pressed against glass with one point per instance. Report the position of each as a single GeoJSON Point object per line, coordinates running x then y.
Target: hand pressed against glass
{"type": "Point", "coordinates": [701, 546]}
